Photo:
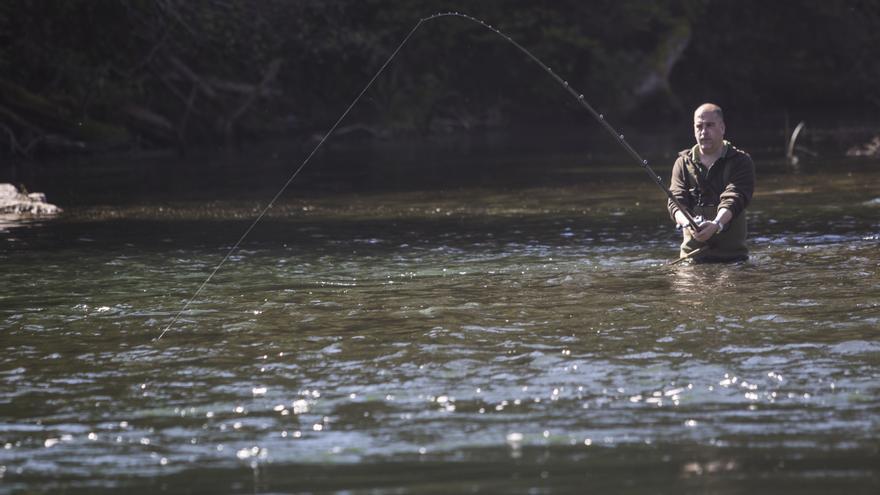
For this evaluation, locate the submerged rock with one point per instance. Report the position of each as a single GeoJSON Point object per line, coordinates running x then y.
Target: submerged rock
{"type": "Point", "coordinates": [14, 202]}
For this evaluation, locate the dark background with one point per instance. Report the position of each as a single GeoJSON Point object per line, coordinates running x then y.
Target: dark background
{"type": "Point", "coordinates": [86, 76]}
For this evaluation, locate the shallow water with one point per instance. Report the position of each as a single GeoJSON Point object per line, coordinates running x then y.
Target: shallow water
{"type": "Point", "coordinates": [497, 338]}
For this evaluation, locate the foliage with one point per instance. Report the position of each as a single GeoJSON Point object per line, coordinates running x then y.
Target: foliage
{"type": "Point", "coordinates": [786, 54]}
{"type": "Point", "coordinates": [175, 72]}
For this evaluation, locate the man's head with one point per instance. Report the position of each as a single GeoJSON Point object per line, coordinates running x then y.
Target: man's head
{"type": "Point", "coordinates": [709, 128]}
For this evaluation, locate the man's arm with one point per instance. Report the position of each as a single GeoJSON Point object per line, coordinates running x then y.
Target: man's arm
{"type": "Point", "coordinates": [738, 191]}
{"type": "Point", "coordinates": [736, 197]}
{"type": "Point", "coordinates": [678, 188]}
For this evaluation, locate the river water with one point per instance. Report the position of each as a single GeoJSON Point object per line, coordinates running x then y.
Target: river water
{"type": "Point", "coordinates": [513, 330]}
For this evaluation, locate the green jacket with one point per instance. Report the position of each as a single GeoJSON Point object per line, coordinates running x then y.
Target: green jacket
{"type": "Point", "coordinates": [728, 183]}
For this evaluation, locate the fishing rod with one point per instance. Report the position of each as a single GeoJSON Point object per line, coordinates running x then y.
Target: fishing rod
{"type": "Point", "coordinates": [688, 255]}
{"type": "Point", "coordinates": [578, 96]}
{"type": "Point", "coordinates": [583, 102]}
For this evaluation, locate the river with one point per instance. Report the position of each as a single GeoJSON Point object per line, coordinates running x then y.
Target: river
{"type": "Point", "coordinates": [467, 326]}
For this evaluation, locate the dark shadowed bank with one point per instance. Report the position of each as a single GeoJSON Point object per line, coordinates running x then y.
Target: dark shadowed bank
{"type": "Point", "coordinates": [629, 469]}
{"type": "Point", "coordinates": [84, 76]}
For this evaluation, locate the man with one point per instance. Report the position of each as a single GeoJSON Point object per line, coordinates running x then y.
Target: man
{"type": "Point", "coordinates": [714, 181]}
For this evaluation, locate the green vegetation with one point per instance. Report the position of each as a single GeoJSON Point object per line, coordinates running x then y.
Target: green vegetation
{"type": "Point", "coordinates": [99, 74]}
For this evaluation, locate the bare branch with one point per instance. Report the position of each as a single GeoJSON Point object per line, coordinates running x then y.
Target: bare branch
{"type": "Point", "coordinates": [195, 78]}
{"type": "Point", "coordinates": [271, 73]}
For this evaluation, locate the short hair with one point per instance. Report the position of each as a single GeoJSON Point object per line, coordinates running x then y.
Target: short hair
{"type": "Point", "coordinates": [712, 108]}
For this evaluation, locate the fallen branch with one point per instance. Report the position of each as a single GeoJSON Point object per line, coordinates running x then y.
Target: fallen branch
{"type": "Point", "coordinates": [239, 87]}
{"type": "Point", "coordinates": [21, 122]}
{"type": "Point", "coordinates": [13, 142]}
{"type": "Point", "coordinates": [270, 75]}
{"type": "Point", "coordinates": [149, 117]}
{"type": "Point", "coordinates": [192, 76]}
{"type": "Point", "coordinates": [181, 127]}
{"type": "Point", "coordinates": [150, 55]}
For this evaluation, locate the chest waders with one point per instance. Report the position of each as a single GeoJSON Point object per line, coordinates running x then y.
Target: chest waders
{"type": "Point", "coordinates": [729, 245]}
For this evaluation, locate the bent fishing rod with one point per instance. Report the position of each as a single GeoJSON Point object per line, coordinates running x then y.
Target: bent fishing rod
{"type": "Point", "coordinates": [583, 102]}
{"type": "Point", "coordinates": [578, 96]}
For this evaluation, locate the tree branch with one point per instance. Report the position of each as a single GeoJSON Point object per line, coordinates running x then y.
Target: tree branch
{"type": "Point", "coordinates": [271, 73]}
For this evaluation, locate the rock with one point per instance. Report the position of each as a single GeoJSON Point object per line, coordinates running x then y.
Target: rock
{"type": "Point", "coordinates": [871, 148]}
{"type": "Point", "coordinates": [12, 201]}
{"type": "Point", "coordinates": [8, 190]}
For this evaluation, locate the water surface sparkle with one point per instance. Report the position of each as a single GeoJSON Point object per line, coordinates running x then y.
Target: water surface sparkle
{"type": "Point", "coordinates": [522, 334]}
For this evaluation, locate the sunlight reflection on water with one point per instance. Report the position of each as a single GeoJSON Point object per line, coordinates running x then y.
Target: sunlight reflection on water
{"type": "Point", "coordinates": [389, 332]}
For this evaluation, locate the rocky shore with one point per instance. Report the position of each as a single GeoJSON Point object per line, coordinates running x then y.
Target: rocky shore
{"type": "Point", "coordinates": [15, 202]}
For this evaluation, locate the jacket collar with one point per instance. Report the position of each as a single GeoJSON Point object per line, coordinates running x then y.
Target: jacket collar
{"type": "Point", "coordinates": [694, 153]}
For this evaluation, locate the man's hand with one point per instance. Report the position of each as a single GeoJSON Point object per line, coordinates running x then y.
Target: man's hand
{"type": "Point", "coordinates": [682, 220]}
{"type": "Point", "coordinates": [707, 230]}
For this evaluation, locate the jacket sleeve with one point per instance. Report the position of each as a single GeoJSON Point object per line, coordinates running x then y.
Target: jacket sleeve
{"type": "Point", "coordinates": [738, 191]}
{"type": "Point", "coordinates": [678, 188]}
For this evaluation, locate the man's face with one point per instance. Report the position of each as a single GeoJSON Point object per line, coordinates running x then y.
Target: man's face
{"type": "Point", "coordinates": [709, 131]}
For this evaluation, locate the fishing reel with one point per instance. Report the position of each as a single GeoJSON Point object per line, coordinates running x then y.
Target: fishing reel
{"type": "Point", "coordinates": [697, 219]}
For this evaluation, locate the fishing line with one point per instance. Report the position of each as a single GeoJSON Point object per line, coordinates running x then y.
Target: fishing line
{"type": "Point", "coordinates": [291, 178]}
{"type": "Point", "coordinates": [578, 96]}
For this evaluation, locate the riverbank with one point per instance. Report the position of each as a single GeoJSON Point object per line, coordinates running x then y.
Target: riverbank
{"type": "Point", "coordinates": [449, 160]}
